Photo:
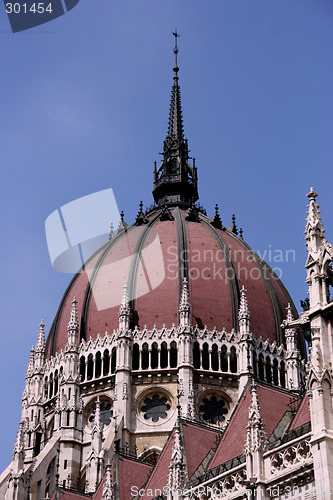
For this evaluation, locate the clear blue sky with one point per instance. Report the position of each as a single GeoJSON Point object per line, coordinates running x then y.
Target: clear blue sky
{"type": "Point", "coordinates": [84, 107]}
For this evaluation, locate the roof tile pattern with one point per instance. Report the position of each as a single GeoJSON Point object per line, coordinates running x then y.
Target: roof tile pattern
{"type": "Point", "coordinates": [302, 416]}
{"type": "Point", "coordinates": [273, 405]}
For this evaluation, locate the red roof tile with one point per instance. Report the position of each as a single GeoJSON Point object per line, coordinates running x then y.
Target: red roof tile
{"type": "Point", "coordinates": [303, 414]}
{"type": "Point", "coordinates": [198, 443]}
{"type": "Point", "coordinates": [69, 495]}
{"type": "Point", "coordinates": [132, 476]}
{"type": "Point", "coordinates": [273, 405]}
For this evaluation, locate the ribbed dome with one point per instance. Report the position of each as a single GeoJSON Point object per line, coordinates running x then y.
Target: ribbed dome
{"type": "Point", "coordinates": [152, 257]}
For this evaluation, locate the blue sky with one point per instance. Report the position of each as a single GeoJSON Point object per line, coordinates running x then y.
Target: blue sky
{"type": "Point", "coordinates": [84, 107]}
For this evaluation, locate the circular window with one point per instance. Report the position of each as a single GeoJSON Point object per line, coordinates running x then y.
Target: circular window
{"type": "Point", "coordinates": [155, 407]}
{"type": "Point", "coordinates": [212, 409]}
{"type": "Point", "coordinates": [106, 413]}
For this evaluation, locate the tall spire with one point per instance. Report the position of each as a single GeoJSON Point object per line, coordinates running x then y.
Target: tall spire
{"type": "Point", "coordinates": [73, 324]}
{"type": "Point", "coordinates": [108, 487]}
{"type": "Point", "coordinates": [175, 181]}
{"type": "Point", "coordinates": [314, 230]}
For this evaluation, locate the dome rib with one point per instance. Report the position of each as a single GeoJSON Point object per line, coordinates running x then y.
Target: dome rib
{"type": "Point", "coordinates": [135, 262]}
{"type": "Point", "coordinates": [182, 248]}
{"type": "Point", "coordinates": [234, 285]}
{"type": "Point", "coordinates": [88, 293]}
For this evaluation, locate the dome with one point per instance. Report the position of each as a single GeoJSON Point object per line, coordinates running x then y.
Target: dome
{"type": "Point", "coordinates": [173, 241]}
{"type": "Point", "coordinates": [153, 256]}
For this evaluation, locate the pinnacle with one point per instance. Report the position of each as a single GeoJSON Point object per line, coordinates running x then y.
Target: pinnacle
{"type": "Point", "coordinates": [73, 324]}
{"type": "Point", "coordinates": [216, 221]}
{"type": "Point", "coordinates": [290, 316]}
{"type": "Point", "coordinates": [185, 298]}
{"type": "Point", "coordinates": [314, 224]}
{"type": "Point", "coordinates": [244, 312]}
{"type": "Point", "coordinates": [107, 488]}
{"type": "Point", "coordinates": [40, 346]}
{"type": "Point", "coordinates": [124, 298]}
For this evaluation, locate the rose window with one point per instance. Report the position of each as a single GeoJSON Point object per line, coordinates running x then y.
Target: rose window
{"type": "Point", "coordinates": [106, 414]}
{"type": "Point", "coordinates": [155, 408]}
{"type": "Point", "coordinates": [213, 410]}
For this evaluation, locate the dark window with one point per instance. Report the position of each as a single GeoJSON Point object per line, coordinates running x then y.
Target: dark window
{"type": "Point", "coordinates": [145, 357]}
{"type": "Point", "coordinates": [268, 370]}
{"type": "Point", "coordinates": [275, 372]}
{"type": "Point", "coordinates": [164, 355]}
{"type": "Point", "coordinates": [90, 367]}
{"type": "Point", "coordinates": [114, 360]}
{"type": "Point", "coordinates": [56, 382]}
{"type": "Point", "coordinates": [261, 367]}
{"type": "Point", "coordinates": [98, 365]}
{"type": "Point", "coordinates": [215, 358]}
{"type": "Point", "coordinates": [82, 368]}
{"type": "Point", "coordinates": [205, 357]}
{"type": "Point", "coordinates": [224, 359]}
{"type": "Point", "coordinates": [155, 408]}
{"type": "Point", "coordinates": [173, 355]}
{"type": "Point", "coordinates": [213, 410]}
{"type": "Point", "coordinates": [233, 360]}
{"type": "Point", "coordinates": [106, 362]}
{"type": "Point", "coordinates": [282, 375]}
{"type": "Point", "coordinates": [37, 443]}
{"type": "Point", "coordinates": [196, 355]}
{"type": "Point", "coordinates": [135, 357]}
{"type": "Point", "coordinates": [154, 356]}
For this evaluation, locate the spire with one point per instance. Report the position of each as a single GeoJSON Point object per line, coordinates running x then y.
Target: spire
{"type": "Point", "coordinates": [175, 181]}
{"type": "Point", "coordinates": [40, 346]}
{"type": "Point", "coordinates": [108, 487]}
{"type": "Point", "coordinates": [97, 430]}
{"type": "Point", "coordinates": [73, 324]}
{"type": "Point", "coordinates": [31, 364]}
{"type": "Point", "coordinates": [314, 230]}
{"type": "Point", "coordinates": [177, 469]}
{"type": "Point", "coordinates": [124, 311]}
{"type": "Point", "coordinates": [244, 312]}
{"type": "Point", "coordinates": [256, 438]}
{"type": "Point", "coordinates": [141, 218]}
{"type": "Point", "coordinates": [19, 444]}
{"type": "Point", "coordinates": [185, 306]}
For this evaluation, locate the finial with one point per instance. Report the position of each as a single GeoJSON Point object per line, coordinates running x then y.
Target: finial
{"type": "Point", "coordinates": [241, 232]}
{"type": "Point", "coordinates": [176, 50]}
{"type": "Point", "coordinates": [40, 346]}
{"type": "Point", "coordinates": [111, 231]}
{"type": "Point", "coordinates": [122, 216]}
{"type": "Point", "coordinates": [216, 221]}
{"type": "Point", "coordinates": [233, 227]}
{"type": "Point", "coordinates": [312, 195]}
{"type": "Point", "coordinates": [73, 324]}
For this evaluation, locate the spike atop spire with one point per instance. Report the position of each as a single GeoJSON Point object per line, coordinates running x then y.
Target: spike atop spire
{"type": "Point", "coordinates": [141, 218]}
{"type": "Point", "coordinates": [216, 221]}
{"type": "Point", "coordinates": [40, 346]}
{"type": "Point", "coordinates": [108, 487]}
{"type": "Point", "coordinates": [175, 181]}
{"type": "Point", "coordinates": [233, 227]}
{"type": "Point", "coordinates": [19, 443]}
{"type": "Point", "coordinates": [73, 324]}
{"type": "Point", "coordinates": [314, 230]}
{"type": "Point", "coordinates": [290, 316]}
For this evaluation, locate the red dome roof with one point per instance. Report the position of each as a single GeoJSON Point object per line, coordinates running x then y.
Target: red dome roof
{"type": "Point", "coordinates": [153, 258]}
